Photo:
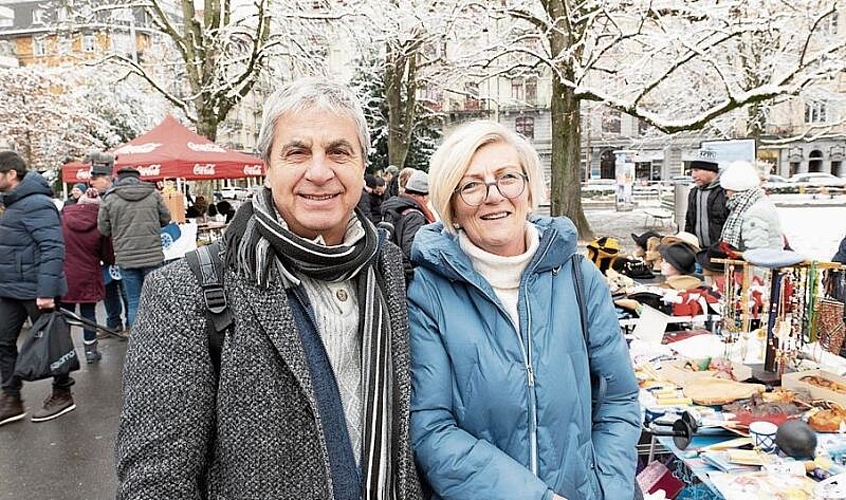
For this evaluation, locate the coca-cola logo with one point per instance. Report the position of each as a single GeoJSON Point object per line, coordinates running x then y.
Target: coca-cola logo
{"type": "Point", "coordinates": [254, 170]}
{"type": "Point", "coordinates": [204, 168]}
{"type": "Point", "coordinates": [208, 147]}
{"type": "Point", "coordinates": [150, 170]}
{"type": "Point", "coordinates": [83, 174]}
{"type": "Point", "coordinates": [134, 149]}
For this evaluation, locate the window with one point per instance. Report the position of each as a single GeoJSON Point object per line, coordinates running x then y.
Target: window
{"type": "Point", "coordinates": [611, 121]}
{"type": "Point", "coordinates": [829, 25]}
{"type": "Point", "coordinates": [532, 90]}
{"type": "Point", "coordinates": [525, 126]}
{"type": "Point", "coordinates": [37, 16]}
{"type": "Point", "coordinates": [38, 47]}
{"type": "Point", "coordinates": [517, 89]}
{"type": "Point", "coordinates": [89, 43]}
{"type": "Point", "coordinates": [471, 96]}
{"type": "Point", "coordinates": [816, 112]}
{"type": "Point", "coordinates": [642, 127]}
{"type": "Point", "coordinates": [64, 45]}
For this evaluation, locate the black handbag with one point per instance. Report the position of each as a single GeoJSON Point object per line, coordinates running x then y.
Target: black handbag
{"type": "Point", "coordinates": [48, 351]}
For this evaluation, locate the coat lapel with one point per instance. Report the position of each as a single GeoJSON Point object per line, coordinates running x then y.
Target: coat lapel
{"type": "Point", "coordinates": [270, 308]}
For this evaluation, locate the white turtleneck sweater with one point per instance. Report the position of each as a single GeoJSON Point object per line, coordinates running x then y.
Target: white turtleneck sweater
{"type": "Point", "coordinates": [503, 273]}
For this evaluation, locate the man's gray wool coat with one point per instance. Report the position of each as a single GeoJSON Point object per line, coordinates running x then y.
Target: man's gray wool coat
{"type": "Point", "coordinates": [269, 441]}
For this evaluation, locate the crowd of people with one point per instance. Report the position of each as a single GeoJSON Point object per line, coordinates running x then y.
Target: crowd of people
{"type": "Point", "coordinates": [479, 356]}
{"type": "Point", "coordinates": [99, 247]}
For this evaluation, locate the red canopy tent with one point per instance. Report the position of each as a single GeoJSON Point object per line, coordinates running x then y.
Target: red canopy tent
{"type": "Point", "coordinates": [171, 150]}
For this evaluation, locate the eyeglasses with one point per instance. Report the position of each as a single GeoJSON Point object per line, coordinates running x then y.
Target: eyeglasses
{"type": "Point", "coordinates": [510, 186]}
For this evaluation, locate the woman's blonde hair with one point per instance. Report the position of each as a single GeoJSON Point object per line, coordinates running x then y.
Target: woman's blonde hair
{"type": "Point", "coordinates": [450, 162]}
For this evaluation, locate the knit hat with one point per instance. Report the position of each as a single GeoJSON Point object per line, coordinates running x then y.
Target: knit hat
{"type": "Point", "coordinates": [91, 196]}
{"type": "Point", "coordinates": [739, 176]}
{"type": "Point", "coordinates": [81, 186]}
{"type": "Point", "coordinates": [643, 238]}
{"type": "Point", "coordinates": [680, 256]}
{"type": "Point", "coordinates": [682, 237]}
{"type": "Point", "coordinates": [704, 165]}
{"type": "Point", "coordinates": [603, 251]}
{"type": "Point", "coordinates": [392, 169]}
{"type": "Point", "coordinates": [418, 183]}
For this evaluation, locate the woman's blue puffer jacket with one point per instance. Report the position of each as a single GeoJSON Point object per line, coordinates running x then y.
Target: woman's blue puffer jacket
{"type": "Point", "coordinates": [498, 413]}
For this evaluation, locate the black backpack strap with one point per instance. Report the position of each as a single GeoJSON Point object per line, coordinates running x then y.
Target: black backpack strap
{"type": "Point", "coordinates": [207, 266]}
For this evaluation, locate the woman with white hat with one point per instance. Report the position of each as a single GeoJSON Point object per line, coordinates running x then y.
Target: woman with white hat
{"type": "Point", "coordinates": [753, 221]}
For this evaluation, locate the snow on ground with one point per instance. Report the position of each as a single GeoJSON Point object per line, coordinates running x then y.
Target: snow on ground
{"type": "Point", "coordinates": [814, 230]}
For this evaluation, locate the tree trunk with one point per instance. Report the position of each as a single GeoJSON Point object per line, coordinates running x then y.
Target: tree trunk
{"type": "Point", "coordinates": [398, 136]}
{"type": "Point", "coordinates": [566, 191]}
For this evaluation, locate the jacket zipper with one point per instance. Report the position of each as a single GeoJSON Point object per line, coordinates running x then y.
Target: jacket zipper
{"type": "Point", "coordinates": [526, 351]}
{"type": "Point", "coordinates": [530, 375]}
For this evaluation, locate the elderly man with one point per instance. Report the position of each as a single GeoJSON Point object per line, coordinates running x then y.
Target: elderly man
{"type": "Point", "coordinates": [706, 204]}
{"type": "Point", "coordinates": [312, 395]}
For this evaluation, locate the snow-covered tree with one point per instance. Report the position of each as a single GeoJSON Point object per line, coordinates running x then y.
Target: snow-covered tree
{"type": "Point", "coordinates": [426, 125]}
{"type": "Point", "coordinates": [675, 66]}
{"type": "Point", "coordinates": [220, 49]}
{"type": "Point", "coordinates": [51, 115]}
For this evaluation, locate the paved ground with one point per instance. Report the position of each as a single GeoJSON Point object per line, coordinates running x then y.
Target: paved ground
{"type": "Point", "coordinates": [71, 457]}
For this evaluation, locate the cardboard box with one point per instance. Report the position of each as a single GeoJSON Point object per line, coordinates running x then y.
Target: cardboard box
{"type": "Point", "coordinates": [793, 381]}
{"type": "Point", "coordinates": [675, 372]}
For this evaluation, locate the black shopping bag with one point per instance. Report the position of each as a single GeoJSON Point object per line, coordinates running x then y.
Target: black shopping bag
{"type": "Point", "coordinates": [48, 351]}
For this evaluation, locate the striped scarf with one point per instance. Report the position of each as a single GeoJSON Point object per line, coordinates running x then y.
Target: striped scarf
{"type": "Point", "coordinates": [257, 243]}
{"type": "Point", "coordinates": [738, 205]}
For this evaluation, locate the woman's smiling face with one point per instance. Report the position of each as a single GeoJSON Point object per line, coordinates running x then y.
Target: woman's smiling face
{"type": "Point", "coordinates": [498, 225]}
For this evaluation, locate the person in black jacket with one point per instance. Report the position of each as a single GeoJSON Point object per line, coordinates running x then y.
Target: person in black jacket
{"type": "Point", "coordinates": [408, 212]}
{"type": "Point", "coordinates": [32, 253]}
{"type": "Point", "coordinates": [706, 205]}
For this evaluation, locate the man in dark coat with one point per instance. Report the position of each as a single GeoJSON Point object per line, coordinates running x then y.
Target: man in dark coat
{"type": "Point", "coordinates": [311, 399]}
{"type": "Point", "coordinates": [116, 302]}
{"type": "Point", "coordinates": [133, 213]}
{"type": "Point", "coordinates": [706, 204]}
{"type": "Point", "coordinates": [32, 252]}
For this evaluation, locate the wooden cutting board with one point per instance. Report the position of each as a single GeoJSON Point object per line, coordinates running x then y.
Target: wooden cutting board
{"type": "Point", "coordinates": [715, 391]}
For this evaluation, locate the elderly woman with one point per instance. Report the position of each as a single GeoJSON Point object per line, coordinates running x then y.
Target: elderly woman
{"type": "Point", "coordinates": [752, 221]}
{"type": "Point", "coordinates": [501, 369]}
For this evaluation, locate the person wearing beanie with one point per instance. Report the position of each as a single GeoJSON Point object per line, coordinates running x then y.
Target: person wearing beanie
{"type": "Point", "coordinates": [76, 192]}
{"type": "Point", "coordinates": [706, 203]}
{"type": "Point", "coordinates": [753, 221]}
{"type": "Point", "coordinates": [408, 212]}
{"type": "Point", "coordinates": [85, 248]}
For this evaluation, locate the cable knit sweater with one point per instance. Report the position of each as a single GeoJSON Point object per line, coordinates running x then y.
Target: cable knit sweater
{"type": "Point", "coordinates": [269, 441]}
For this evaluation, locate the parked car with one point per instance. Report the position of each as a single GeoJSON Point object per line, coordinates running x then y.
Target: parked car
{"type": "Point", "coordinates": [776, 181]}
{"type": "Point", "coordinates": [818, 179]}
{"type": "Point", "coordinates": [234, 193]}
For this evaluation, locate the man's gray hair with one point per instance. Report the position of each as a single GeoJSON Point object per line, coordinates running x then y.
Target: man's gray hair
{"type": "Point", "coordinates": [309, 93]}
